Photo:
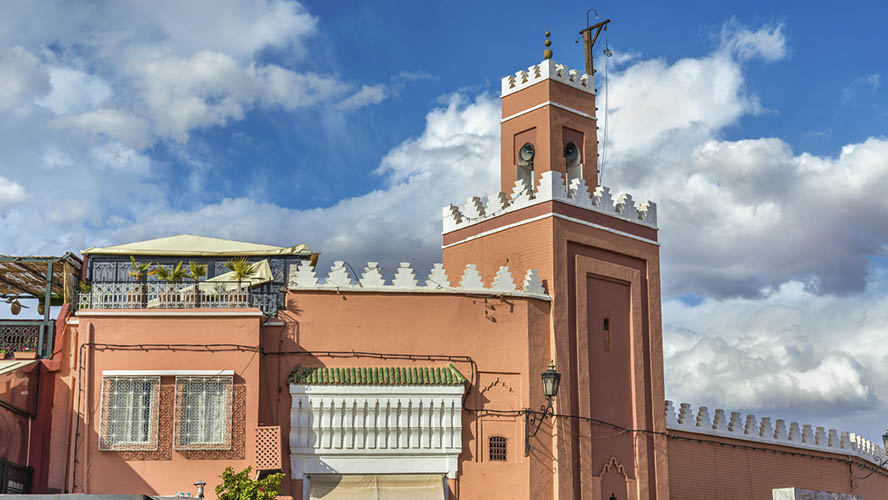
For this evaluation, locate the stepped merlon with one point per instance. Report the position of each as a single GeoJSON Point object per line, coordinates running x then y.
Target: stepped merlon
{"type": "Point", "coordinates": [550, 188]}
{"type": "Point", "coordinates": [546, 69]}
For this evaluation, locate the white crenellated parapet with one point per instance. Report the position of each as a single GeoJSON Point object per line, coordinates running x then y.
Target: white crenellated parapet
{"type": "Point", "coordinates": [546, 70]}
{"type": "Point", "coordinates": [405, 280]}
{"type": "Point", "coordinates": [747, 428]}
{"type": "Point", "coordinates": [551, 187]}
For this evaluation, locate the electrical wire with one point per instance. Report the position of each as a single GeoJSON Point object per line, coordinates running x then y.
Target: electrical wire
{"type": "Point", "coordinates": [606, 99]}
{"type": "Point", "coordinates": [439, 357]}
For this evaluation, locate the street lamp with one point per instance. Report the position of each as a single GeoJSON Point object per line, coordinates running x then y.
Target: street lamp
{"type": "Point", "coordinates": [551, 380]}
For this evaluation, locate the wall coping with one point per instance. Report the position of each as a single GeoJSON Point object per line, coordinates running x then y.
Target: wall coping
{"type": "Point", "coordinates": [748, 428]}
{"type": "Point", "coordinates": [550, 188]}
{"type": "Point", "coordinates": [255, 313]}
{"type": "Point", "coordinates": [339, 279]}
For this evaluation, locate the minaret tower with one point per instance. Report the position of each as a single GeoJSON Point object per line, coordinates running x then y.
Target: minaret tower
{"type": "Point", "coordinates": [548, 124]}
{"type": "Point", "coordinates": [598, 257]}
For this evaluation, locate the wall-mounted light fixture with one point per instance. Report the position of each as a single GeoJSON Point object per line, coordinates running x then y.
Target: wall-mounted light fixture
{"type": "Point", "coordinates": [200, 488]}
{"type": "Point", "coordinates": [551, 380]}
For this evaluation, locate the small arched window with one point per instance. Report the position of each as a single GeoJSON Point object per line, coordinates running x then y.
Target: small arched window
{"type": "Point", "coordinates": [497, 447]}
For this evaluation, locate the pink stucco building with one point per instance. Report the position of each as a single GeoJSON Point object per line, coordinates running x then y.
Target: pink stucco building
{"type": "Point", "coordinates": [423, 384]}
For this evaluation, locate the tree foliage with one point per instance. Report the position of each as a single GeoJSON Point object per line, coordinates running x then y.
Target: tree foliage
{"type": "Point", "coordinates": [239, 486]}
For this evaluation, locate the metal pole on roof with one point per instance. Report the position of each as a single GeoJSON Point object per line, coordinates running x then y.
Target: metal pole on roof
{"type": "Point", "coordinates": [44, 329]}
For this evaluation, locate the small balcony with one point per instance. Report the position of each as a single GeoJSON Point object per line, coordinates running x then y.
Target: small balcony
{"type": "Point", "coordinates": [31, 290]}
{"type": "Point", "coordinates": [166, 295]}
{"type": "Point", "coordinates": [26, 335]}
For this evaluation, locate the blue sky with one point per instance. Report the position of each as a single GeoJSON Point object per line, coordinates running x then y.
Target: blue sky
{"type": "Point", "coordinates": [758, 128]}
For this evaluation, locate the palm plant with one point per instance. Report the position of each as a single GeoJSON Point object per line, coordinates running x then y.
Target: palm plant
{"type": "Point", "coordinates": [241, 269]}
{"type": "Point", "coordinates": [174, 274]}
{"type": "Point", "coordinates": [171, 275]}
{"type": "Point", "coordinates": [196, 272]}
{"type": "Point", "coordinates": [140, 272]}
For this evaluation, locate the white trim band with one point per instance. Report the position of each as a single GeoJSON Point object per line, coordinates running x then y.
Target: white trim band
{"type": "Point", "coordinates": [131, 312]}
{"type": "Point", "coordinates": [545, 216]}
{"type": "Point", "coordinates": [547, 103]}
{"type": "Point", "coordinates": [166, 373]}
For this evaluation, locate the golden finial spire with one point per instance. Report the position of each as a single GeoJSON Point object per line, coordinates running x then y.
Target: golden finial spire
{"type": "Point", "coordinates": [547, 54]}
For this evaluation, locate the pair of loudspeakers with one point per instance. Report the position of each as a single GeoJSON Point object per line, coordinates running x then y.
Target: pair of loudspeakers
{"type": "Point", "coordinates": [527, 152]}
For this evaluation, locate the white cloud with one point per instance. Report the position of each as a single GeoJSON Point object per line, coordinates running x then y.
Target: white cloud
{"type": "Point", "coordinates": [368, 94]}
{"type": "Point", "coordinates": [212, 88]}
{"type": "Point", "coordinates": [24, 78]}
{"type": "Point", "coordinates": [767, 43]}
{"type": "Point", "coordinates": [869, 83]}
{"type": "Point", "coordinates": [74, 91]}
{"type": "Point", "coordinates": [376, 226]}
{"type": "Point", "coordinates": [111, 123]}
{"type": "Point", "coordinates": [11, 193]}
{"type": "Point", "coordinates": [792, 353]}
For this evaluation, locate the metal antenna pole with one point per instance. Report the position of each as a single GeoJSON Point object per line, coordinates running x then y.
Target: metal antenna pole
{"type": "Point", "coordinates": [589, 39]}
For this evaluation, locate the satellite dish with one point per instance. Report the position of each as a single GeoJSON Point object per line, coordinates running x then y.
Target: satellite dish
{"type": "Point", "coordinates": [526, 153]}
{"type": "Point", "coordinates": [571, 153]}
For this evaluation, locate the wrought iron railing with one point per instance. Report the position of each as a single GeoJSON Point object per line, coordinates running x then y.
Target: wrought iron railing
{"type": "Point", "coordinates": [184, 295]}
{"type": "Point", "coordinates": [25, 335]}
{"type": "Point", "coordinates": [15, 478]}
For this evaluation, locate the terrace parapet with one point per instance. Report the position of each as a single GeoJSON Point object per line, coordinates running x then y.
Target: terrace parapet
{"type": "Point", "coordinates": [165, 295]}
{"type": "Point", "coordinates": [774, 432]}
{"type": "Point", "coordinates": [371, 280]}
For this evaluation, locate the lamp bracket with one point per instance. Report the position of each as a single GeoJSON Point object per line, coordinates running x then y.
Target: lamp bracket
{"type": "Point", "coordinates": [532, 417]}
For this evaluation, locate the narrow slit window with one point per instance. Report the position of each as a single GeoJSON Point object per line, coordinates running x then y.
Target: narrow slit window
{"type": "Point", "coordinates": [497, 448]}
{"type": "Point", "coordinates": [607, 335]}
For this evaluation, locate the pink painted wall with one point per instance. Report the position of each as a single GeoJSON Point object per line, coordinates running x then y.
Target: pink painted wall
{"type": "Point", "coordinates": [509, 345]}
{"type": "Point", "coordinates": [703, 471]}
{"type": "Point", "coordinates": [165, 471]}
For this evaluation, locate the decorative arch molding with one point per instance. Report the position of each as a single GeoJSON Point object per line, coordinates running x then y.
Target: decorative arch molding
{"type": "Point", "coordinates": [498, 382]}
{"type": "Point", "coordinates": [613, 464]}
{"type": "Point", "coordinates": [598, 486]}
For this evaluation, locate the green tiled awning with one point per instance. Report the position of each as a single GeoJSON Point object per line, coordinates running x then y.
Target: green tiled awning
{"type": "Point", "coordinates": [382, 375]}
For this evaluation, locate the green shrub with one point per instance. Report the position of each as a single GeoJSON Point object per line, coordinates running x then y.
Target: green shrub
{"type": "Point", "coordinates": [239, 486]}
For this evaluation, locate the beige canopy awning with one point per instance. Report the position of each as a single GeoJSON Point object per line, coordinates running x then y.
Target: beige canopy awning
{"type": "Point", "coordinates": [190, 245]}
{"type": "Point", "coordinates": [377, 487]}
{"type": "Point", "coordinates": [261, 274]}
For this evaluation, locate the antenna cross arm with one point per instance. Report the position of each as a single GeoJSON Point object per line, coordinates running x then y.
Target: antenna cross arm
{"type": "Point", "coordinates": [589, 42]}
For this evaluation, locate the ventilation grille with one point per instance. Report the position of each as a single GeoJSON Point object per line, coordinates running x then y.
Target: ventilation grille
{"type": "Point", "coordinates": [268, 448]}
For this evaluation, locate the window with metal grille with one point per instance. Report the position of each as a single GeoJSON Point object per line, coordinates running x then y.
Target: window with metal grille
{"type": "Point", "coordinates": [497, 447]}
{"type": "Point", "coordinates": [203, 413]}
{"type": "Point", "coordinates": [129, 413]}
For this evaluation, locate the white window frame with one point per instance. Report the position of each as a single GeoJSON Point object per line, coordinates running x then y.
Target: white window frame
{"type": "Point", "coordinates": [222, 414]}
{"type": "Point", "coordinates": [109, 442]}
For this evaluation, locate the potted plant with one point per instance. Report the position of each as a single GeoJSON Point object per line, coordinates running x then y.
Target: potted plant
{"type": "Point", "coordinates": [3, 352]}
{"type": "Point", "coordinates": [140, 272]}
{"type": "Point", "coordinates": [171, 276]}
{"type": "Point", "coordinates": [196, 272]}
{"type": "Point", "coordinates": [241, 269]}
{"type": "Point", "coordinates": [26, 353]}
